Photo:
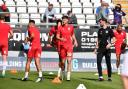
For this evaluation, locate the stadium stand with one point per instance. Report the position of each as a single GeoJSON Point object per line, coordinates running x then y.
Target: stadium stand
{"type": "Point", "coordinates": [23, 10]}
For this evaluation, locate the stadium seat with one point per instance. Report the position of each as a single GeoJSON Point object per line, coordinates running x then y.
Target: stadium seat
{"type": "Point", "coordinates": [1, 2]}
{"type": "Point", "coordinates": [33, 16]}
{"type": "Point", "coordinates": [74, 1]}
{"type": "Point", "coordinates": [25, 15]}
{"type": "Point", "coordinates": [14, 16]}
{"type": "Point", "coordinates": [80, 18]}
{"type": "Point", "coordinates": [91, 17]}
{"type": "Point", "coordinates": [12, 9]}
{"type": "Point", "coordinates": [32, 7]}
{"type": "Point", "coordinates": [51, 1]}
{"type": "Point", "coordinates": [87, 4]}
{"type": "Point", "coordinates": [19, 0]}
{"type": "Point", "coordinates": [24, 21]}
{"type": "Point", "coordinates": [95, 1]}
{"type": "Point", "coordinates": [22, 3]}
{"type": "Point", "coordinates": [21, 9]}
{"type": "Point", "coordinates": [87, 10]}
{"type": "Point", "coordinates": [29, 1]}
{"type": "Point", "coordinates": [23, 18]}
{"type": "Point", "coordinates": [13, 20]}
{"type": "Point", "coordinates": [81, 21]}
{"type": "Point", "coordinates": [97, 5]}
{"type": "Point", "coordinates": [76, 8]}
{"type": "Point", "coordinates": [65, 7]}
{"type": "Point", "coordinates": [58, 16]}
{"type": "Point", "coordinates": [41, 1]}
{"type": "Point", "coordinates": [10, 3]}
{"type": "Point", "coordinates": [91, 22]}
{"type": "Point", "coordinates": [64, 1]}
{"type": "Point", "coordinates": [83, 1]}
{"type": "Point", "coordinates": [42, 7]}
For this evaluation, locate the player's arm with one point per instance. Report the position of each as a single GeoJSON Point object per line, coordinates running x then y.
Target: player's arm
{"type": "Point", "coordinates": [113, 39]}
{"type": "Point", "coordinates": [58, 36]}
{"type": "Point", "coordinates": [96, 47]}
{"type": "Point", "coordinates": [74, 40]}
{"type": "Point", "coordinates": [49, 39]}
{"type": "Point", "coordinates": [50, 35]}
{"type": "Point", "coordinates": [10, 34]}
{"type": "Point", "coordinates": [31, 36]}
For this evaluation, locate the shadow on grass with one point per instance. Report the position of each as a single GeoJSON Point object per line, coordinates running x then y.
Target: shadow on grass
{"type": "Point", "coordinates": [92, 79]}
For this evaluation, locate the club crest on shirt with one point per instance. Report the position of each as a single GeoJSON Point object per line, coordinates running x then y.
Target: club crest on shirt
{"type": "Point", "coordinates": [100, 32]}
{"type": "Point", "coordinates": [106, 31]}
{"type": "Point", "coordinates": [68, 28]}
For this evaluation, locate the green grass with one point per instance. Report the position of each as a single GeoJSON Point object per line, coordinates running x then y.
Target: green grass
{"type": "Point", "coordinates": [11, 81]}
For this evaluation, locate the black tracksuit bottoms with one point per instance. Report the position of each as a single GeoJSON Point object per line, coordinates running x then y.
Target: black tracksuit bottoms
{"type": "Point", "coordinates": [100, 56]}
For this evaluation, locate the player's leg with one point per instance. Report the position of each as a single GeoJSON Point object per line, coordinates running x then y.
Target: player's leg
{"type": "Point", "coordinates": [38, 64]}
{"type": "Point", "coordinates": [118, 53]}
{"type": "Point", "coordinates": [69, 64]}
{"type": "Point", "coordinates": [63, 59]}
{"type": "Point", "coordinates": [108, 62]}
{"type": "Point", "coordinates": [4, 58]}
{"type": "Point", "coordinates": [60, 67]}
{"type": "Point", "coordinates": [27, 67]}
{"type": "Point", "coordinates": [99, 67]}
{"type": "Point", "coordinates": [125, 81]}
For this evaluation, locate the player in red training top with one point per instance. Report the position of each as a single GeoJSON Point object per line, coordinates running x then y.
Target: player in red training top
{"type": "Point", "coordinates": [120, 36]}
{"type": "Point", "coordinates": [67, 39]}
{"type": "Point", "coordinates": [5, 30]}
{"type": "Point", "coordinates": [54, 42]}
{"type": "Point", "coordinates": [34, 50]}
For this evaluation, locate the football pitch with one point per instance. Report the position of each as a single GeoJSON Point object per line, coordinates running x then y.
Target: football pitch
{"type": "Point", "coordinates": [12, 81]}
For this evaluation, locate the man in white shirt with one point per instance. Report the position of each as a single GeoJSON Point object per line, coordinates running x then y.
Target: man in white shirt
{"type": "Point", "coordinates": [49, 13]}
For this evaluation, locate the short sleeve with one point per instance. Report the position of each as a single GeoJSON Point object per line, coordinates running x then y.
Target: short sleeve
{"type": "Point", "coordinates": [9, 28]}
{"type": "Point", "coordinates": [30, 32]}
{"type": "Point", "coordinates": [97, 10]}
{"type": "Point", "coordinates": [111, 33]}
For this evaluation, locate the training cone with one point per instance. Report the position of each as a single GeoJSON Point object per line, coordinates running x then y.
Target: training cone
{"type": "Point", "coordinates": [13, 71]}
{"type": "Point", "coordinates": [56, 80]}
{"type": "Point", "coordinates": [105, 71]}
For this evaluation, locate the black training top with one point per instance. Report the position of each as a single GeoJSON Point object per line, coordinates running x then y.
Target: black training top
{"type": "Point", "coordinates": [104, 37]}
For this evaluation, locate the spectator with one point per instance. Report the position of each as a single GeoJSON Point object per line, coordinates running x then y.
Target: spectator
{"type": "Point", "coordinates": [72, 17]}
{"type": "Point", "coordinates": [7, 15]}
{"type": "Point", "coordinates": [102, 11]}
{"type": "Point", "coordinates": [50, 14]}
{"type": "Point", "coordinates": [118, 13]}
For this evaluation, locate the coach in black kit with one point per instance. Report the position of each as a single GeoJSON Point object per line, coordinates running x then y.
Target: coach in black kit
{"type": "Point", "coordinates": [104, 42]}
